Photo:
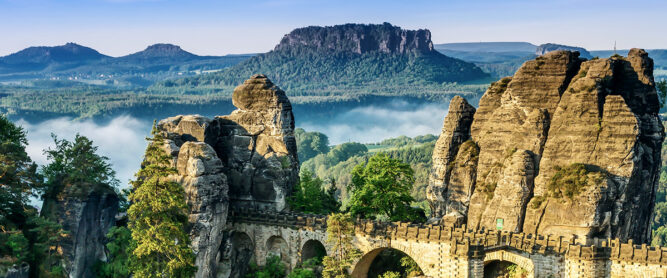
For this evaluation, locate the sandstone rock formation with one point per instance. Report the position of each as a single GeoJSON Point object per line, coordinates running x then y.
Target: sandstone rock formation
{"type": "Point", "coordinates": [87, 220]}
{"type": "Point", "coordinates": [359, 38]}
{"type": "Point", "coordinates": [246, 159]}
{"type": "Point", "coordinates": [566, 147]}
{"type": "Point", "coordinates": [450, 183]}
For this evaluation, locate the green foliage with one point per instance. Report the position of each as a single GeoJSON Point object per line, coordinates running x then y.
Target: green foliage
{"type": "Point", "coordinates": [515, 271]}
{"type": "Point", "coordinates": [24, 236]}
{"type": "Point", "coordinates": [382, 187]}
{"type": "Point", "coordinates": [120, 249]}
{"type": "Point", "coordinates": [310, 196]}
{"type": "Point", "coordinates": [661, 87]}
{"type": "Point", "coordinates": [75, 168]}
{"type": "Point", "coordinates": [306, 71]}
{"type": "Point", "coordinates": [411, 267]}
{"type": "Point", "coordinates": [306, 269]}
{"type": "Point", "coordinates": [158, 218]}
{"type": "Point", "coordinates": [570, 180]}
{"type": "Point", "coordinates": [659, 236]}
{"type": "Point", "coordinates": [390, 274]}
{"type": "Point", "coordinates": [537, 201]}
{"type": "Point", "coordinates": [310, 144]}
{"type": "Point", "coordinates": [415, 151]}
{"type": "Point", "coordinates": [274, 268]}
{"type": "Point", "coordinates": [340, 232]}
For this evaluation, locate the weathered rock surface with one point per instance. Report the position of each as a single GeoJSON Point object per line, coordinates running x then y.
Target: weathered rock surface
{"type": "Point", "coordinates": [87, 220]}
{"type": "Point", "coordinates": [246, 159]}
{"type": "Point", "coordinates": [258, 147]}
{"type": "Point", "coordinates": [556, 111]}
{"type": "Point", "coordinates": [359, 38]}
{"type": "Point", "coordinates": [548, 47]}
{"type": "Point", "coordinates": [519, 120]}
{"type": "Point", "coordinates": [446, 198]}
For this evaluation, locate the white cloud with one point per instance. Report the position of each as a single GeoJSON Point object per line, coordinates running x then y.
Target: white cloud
{"type": "Point", "coordinates": [122, 140]}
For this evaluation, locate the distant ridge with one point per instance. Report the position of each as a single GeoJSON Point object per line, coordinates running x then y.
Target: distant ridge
{"type": "Point", "coordinates": [548, 47]}
{"type": "Point", "coordinates": [161, 51]}
{"type": "Point", "coordinates": [488, 46]}
{"type": "Point", "coordinates": [40, 57]}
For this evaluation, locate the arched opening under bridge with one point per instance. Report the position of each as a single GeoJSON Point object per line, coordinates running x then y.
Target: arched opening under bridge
{"type": "Point", "coordinates": [381, 260]}
{"type": "Point", "coordinates": [313, 250]}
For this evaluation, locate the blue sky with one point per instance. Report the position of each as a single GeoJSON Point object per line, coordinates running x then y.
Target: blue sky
{"type": "Point", "coordinates": [120, 27]}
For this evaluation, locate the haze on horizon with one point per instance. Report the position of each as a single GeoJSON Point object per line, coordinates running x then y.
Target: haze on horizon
{"type": "Point", "coordinates": [208, 27]}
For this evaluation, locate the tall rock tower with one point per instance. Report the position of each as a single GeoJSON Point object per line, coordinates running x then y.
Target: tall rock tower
{"type": "Point", "coordinates": [246, 159]}
{"type": "Point", "coordinates": [565, 147]}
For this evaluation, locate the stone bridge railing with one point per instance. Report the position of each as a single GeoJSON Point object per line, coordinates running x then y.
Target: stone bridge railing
{"type": "Point", "coordinates": [599, 256]}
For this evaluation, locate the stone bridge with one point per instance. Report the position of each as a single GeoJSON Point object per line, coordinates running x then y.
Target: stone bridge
{"type": "Point", "coordinates": [442, 251]}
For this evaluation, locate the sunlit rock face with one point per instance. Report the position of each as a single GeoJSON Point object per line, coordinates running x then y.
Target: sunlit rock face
{"type": "Point", "coordinates": [245, 159]}
{"type": "Point", "coordinates": [561, 118]}
{"type": "Point", "coordinates": [453, 175]}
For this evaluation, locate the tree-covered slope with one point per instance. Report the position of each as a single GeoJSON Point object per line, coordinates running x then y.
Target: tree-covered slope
{"type": "Point", "coordinates": [345, 59]}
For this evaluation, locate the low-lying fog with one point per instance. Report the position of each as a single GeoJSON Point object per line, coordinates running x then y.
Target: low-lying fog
{"type": "Point", "coordinates": [123, 138]}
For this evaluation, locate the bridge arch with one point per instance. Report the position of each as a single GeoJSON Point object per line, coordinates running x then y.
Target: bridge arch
{"type": "Point", "coordinates": [239, 252]}
{"type": "Point", "coordinates": [503, 257]}
{"type": "Point", "coordinates": [312, 248]}
{"type": "Point", "coordinates": [363, 265]}
{"type": "Point", "coordinates": [277, 246]}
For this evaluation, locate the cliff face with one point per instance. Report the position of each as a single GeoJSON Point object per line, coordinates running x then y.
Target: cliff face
{"type": "Point", "coordinates": [359, 38]}
{"type": "Point", "coordinates": [450, 196]}
{"type": "Point", "coordinates": [246, 159]}
{"type": "Point", "coordinates": [87, 220]}
{"type": "Point", "coordinates": [548, 47]}
{"type": "Point", "coordinates": [567, 146]}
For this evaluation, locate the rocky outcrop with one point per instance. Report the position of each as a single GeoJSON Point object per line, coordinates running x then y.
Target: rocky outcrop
{"type": "Point", "coordinates": [86, 218]}
{"type": "Point", "coordinates": [548, 47]}
{"type": "Point", "coordinates": [258, 147]}
{"type": "Point", "coordinates": [246, 159]}
{"type": "Point", "coordinates": [358, 38]}
{"type": "Point", "coordinates": [449, 196]}
{"type": "Point", "coordinates": [568, 147]}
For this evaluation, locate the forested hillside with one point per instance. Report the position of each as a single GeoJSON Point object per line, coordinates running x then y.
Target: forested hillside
{"type": "Point", "coordinates": [344, 59]}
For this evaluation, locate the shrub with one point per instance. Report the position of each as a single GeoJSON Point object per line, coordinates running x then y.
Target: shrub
{"type": "Point", "coordinates": [569, 181]}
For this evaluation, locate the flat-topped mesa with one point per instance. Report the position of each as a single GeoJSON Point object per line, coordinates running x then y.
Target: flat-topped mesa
{"type": "Point", "coordinates": [245, 159]}
{"type": "Point", "coordinates": [358, 38]}
{"type": "Point", "coordinates": [568, 147]}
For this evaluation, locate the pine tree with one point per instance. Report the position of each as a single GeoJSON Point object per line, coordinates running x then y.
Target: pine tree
{"type": "Point", "coordinates": [340, 230]}
{"type": "Point", "coordinates": [158, 218]}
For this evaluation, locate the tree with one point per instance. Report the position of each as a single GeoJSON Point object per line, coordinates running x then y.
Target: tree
{"type": "Point", "coordinates": [382, 187]}
{"type": "Point", "coordinates": [310, 144]}
{"type": "Point", "coordinates": [661, 87]}
{"type": "Point", "coordinates": [274, 268]}
{"type": "Point", "coordinates": [158, 216]}
{"type": "Point", "coordinates": [340, 230]}
{"type": "Point", "coordinates": [24, 236]}
{"type": "Point", "coordinates": [310, 197]}
{"type": "Point", "coordinates": [120, 249]}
